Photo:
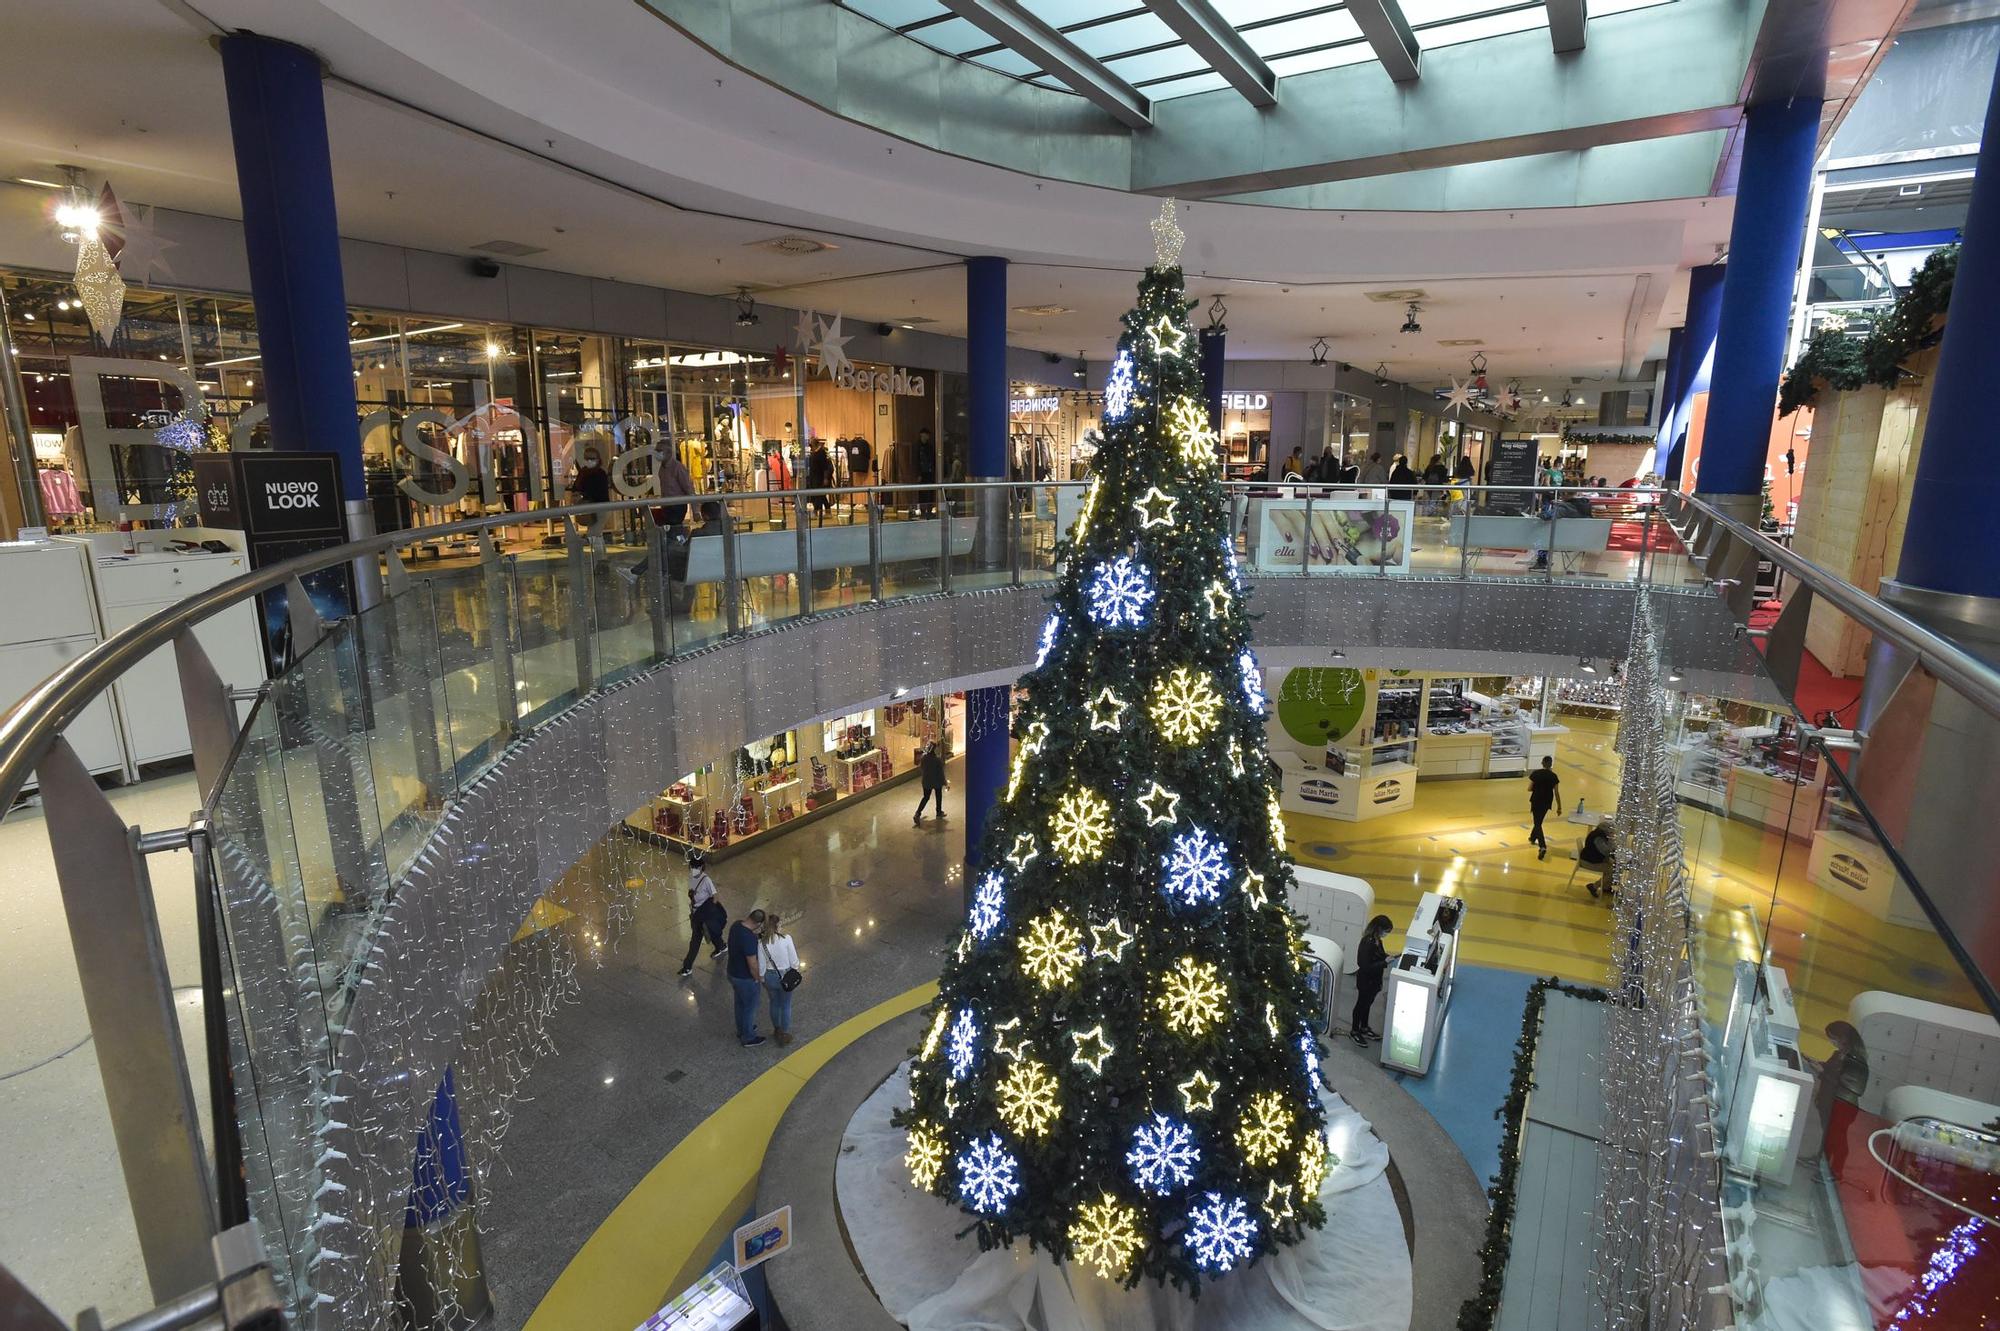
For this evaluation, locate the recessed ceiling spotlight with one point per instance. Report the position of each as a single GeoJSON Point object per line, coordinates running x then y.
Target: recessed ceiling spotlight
{"type": "Point", "coordinates": [1043, 311]}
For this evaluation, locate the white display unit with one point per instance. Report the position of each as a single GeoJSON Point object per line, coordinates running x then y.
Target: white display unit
{"type": "Point", "coordinates": [128, 587]}
{"type": "Point", "coordinates": [1418, 993]}
{"type": "Point", "coordinates": [48, 619]}
{"type": "Point", "coordinates": [1336, 907]}
{"type": "Point", "coordinates": [1913, 1042]}
{"type": "Point", "coordinates": [1369, 781]}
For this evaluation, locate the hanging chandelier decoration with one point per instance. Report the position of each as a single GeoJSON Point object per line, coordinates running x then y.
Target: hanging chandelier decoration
{"type": "Point", "coordinates": [1319, 350]}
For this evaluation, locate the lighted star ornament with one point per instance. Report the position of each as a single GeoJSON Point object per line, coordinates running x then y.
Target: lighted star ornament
{"type": "Point", "coordinates": [1167, 236]}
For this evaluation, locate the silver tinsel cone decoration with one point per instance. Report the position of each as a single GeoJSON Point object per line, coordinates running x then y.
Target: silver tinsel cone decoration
{"type": "Point", "coordinates": [1659, 1177]}
{"type": "Point", "coordinates": [99, 287]}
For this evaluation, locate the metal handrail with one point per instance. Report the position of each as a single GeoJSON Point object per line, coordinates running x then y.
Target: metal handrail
{"type": "Point", "coordinates": [33, 723]}
{"type": "Point", "coordinates": [1969, 676]}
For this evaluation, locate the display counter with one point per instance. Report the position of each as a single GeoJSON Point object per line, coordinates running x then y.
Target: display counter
{"type": "Point", "coordinates": [1462, 753]}
{"type": "Point", "coordinates": [1354, 784]}
{"type": "Point", "coordinates": [1419, 984]}
{"type": "Point", "coordinates": [1776, 800]}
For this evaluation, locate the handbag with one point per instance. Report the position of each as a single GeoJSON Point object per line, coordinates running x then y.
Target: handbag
{"type": "Point", "coordinates": [791, 979]}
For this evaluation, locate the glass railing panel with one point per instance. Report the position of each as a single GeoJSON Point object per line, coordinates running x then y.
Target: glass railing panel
{"type": "Point", "coordinates": [549, 612]}
{"type": "Point", "coordinates": [912, 542]}
{"type": "Point", "coordinates": [622, 589]}
{"type": "Point", "coordinates": [836, 552]}
{"type": "Point", "coordinates": [465, 610]}
{"type": "Point", "coordinates": [406, 743]}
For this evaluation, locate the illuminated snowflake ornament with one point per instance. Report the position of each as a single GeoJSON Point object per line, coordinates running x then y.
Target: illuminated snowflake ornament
{"type": "Point", "coordinates": [1118, 389]}
{"type": "Point", "coordinates": [1051, 630]}
{"type": "Point", "coordinates": [961, 1046]}
{"type": "Point", "coordinates": [989, 905]}
{"type": "Point", "coordinates": [1265, 1129]}
{"type": "Point", "coordinates": [1119, 593]}
{"type": "Point", "coordinates": [1163, 1155]}
{"type": "Point", "coordinates": [1186, 706]}
{"type": "Point", "coordinates": [1190, 997]}
{"type": "Point", "coordinates": [1081, 826]}
{"type": "Point", "coordinates": [1027, 1098]}
{"type": "Point", "coordinates": [1314, 1163]}
{"type": "Point", "coordinates": [1052, 950]}
{"type": "Point", "coordinates": [1105, 1235]}
{"type": "Point", "coordinates": [988, 1175]}
{"type": "Point", "coordinates": [1194, 869]}
{"type": "Point", "coordinates": [1253, 682]}
{"type": "Point", "coordinates": [925, 1156]}
{"type": "Point", "coordinates": [1220, 1232]}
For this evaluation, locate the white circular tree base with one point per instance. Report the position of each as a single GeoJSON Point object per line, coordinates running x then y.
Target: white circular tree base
{"type": "Point", "coordinates": [1352, 1275]}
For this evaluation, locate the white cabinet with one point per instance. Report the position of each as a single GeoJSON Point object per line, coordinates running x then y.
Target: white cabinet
{"type": "Point", "coordinates": [129, 588]}
{"type": "Point", "coordinates": [47, 620]}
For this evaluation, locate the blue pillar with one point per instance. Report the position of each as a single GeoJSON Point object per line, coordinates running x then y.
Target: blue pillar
{"type": "Point", "coordinates": [439, 1183]}
{"type": "Point", "coordinates": [1765, 240]}
{"type": "Point", "coordinates": [1666, 408]}
{"type": "Point", "coordinates": [986, 759]}
{"type": "Point", "coordinates": [1213, 340]}
{"type": "Point", "coordinates": [277, 121]}
{"type": "Point", "coordinates": [1951, 544]}
{"type": "Point", "coordinates": [1704, 313]}
{"type": "Point", "coordinates": [986, 366]}
{"type": "Point", "coordinates": [438, 1219]}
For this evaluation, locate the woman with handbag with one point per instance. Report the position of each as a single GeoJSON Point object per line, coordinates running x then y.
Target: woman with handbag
{"type": "Point", "coordinates": [781, 975]}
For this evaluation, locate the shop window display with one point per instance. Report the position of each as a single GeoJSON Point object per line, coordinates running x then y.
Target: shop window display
{"type": "Point", "coordinates": [771, 782]}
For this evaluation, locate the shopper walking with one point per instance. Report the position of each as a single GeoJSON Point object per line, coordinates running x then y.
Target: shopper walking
{"type": "Point", "coordinates": [930, 769]}
{"type": "Point", "coordinates": [924, 457]}
{"type": "Point", "coordinates": [1597, 852]}
{"type": "Point", "coordinates": [745, 975]}
{"type": "Point", "coordinates": [706, 914]}
{"type": "Point", "coordinates": [1401, 477]}
{"type": "Point", "coordinates": [1371, 960]}
{"type": "Point", "coordinates": [781, 976]}
{"type": "Point", "coordinates": [1294, 468]}
{"type": "Point", "coordinates": [1373, 472]}
{"type": "Point", "coordinates": [675, 482]}
{"type": "Point", "coordinates": [590, 485]}
{"type": "Point", "coordinates": [1543, 792]}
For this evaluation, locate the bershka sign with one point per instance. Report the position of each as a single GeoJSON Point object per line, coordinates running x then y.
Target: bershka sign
{"type": "Point", "coordinates": [901, 383]}
{"type": "Point", "coordinates": [1245, 401]}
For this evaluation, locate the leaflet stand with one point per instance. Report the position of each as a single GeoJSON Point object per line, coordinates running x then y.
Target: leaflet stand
{"type": "Point", "coordinates": [716, 1302]}
{"type": "Point", "coordinates": [1419, 984]}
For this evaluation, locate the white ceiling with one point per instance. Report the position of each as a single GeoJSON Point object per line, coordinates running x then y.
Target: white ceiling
{"type": "Point", "coordinates": [132, 90]}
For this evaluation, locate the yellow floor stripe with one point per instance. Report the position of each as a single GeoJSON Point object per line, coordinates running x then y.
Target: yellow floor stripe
{"type": "Point", "coordinates": [662, 1235]}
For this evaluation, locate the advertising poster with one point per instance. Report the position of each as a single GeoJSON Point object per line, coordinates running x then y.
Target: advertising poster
{"type": "Point", "coordinates": [763, 1238]}
{"type": "Point", "coordinates": [1347, 536]}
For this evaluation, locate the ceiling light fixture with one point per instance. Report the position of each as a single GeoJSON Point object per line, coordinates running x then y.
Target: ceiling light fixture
{"type": "Point", "coordinates": [1319, 350]}
{"type": "Point", "coordinates": [746, 309]}
{"type": "Point", "coordinates": [1381, 374]}
{"type": "Point", "coordinates": [1082, 370]}
{"type": "Point", "coordinates": [1217, 312]}
{"type": "Point", "coordinates": [1583, 664]}
{"type": "Point", "coordinates": [1410, 324]}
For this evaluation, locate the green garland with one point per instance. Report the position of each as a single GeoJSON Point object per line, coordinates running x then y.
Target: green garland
{"type": "Point", "coordinates": [1849, 358]}
{"type": "Point", "coordinates": [1477, 1313]}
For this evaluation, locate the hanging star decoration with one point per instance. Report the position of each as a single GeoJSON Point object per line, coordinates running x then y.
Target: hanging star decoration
{"type": "Point", "coordinates": [1107, 710]}
{"type": "Point", "coordinates": [832, 348]}
{"type": "Point", "coordinates": [1091, 1048]}
{"type": "Point", "coordinates": [1167, 236]}
{"type": "Point", "coordinates": [1005, 1043]}
{"type": "Point", "coordinates": [805, 333]}
{"type": "Point", "coordinates": [143, 252]}
{"type": "Point", "coordinates": [1109, 940]}
{"type": "Point", "coordinates": [99, 287]}
{"type": "Point", "coordinates": [1198, 1093]}
{"type": "Point", "coordinates": [1155, 508]}
{"type": "Point", "coordinates": [1278, 1202]}
{"type": "Point", "coordinates": [1217, 597]}
{"type": "Point", "coordinates": [1459, 399]}
{"type": "Point", "coordinates": [1023, 851]}
{"type": "Point", "coordinates": [1168, 337]}
{"type": "Point", "coordinates": [1159, 804]}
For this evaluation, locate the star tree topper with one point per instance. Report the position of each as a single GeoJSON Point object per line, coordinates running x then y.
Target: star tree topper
{"type": "Point", "coordinates": [1167, 236]}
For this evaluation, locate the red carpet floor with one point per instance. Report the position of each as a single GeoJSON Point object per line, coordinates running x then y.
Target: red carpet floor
{"type": "Point", "coordinates": [1818, 692]}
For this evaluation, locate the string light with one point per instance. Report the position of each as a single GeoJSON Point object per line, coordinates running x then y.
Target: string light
{"type": "Point", "coordinates": [1105, 1235]}
{"type": "Point", "coordinates": [989, 903]}
{"type": "Point", "coordinates": [1277, 818]}
{"type": "Point", "coordinates": [1194, 869]}
{"type": "Point", "coordinates": [1087, 509]}
{"type": "Point", "coordinates": [1235, 757]}
{"type": "Point", "coordinates": [1109, 940]}
{"type": "Point", "coordinates": [1265, 1129]}
{"type": "Point", "coordinates": [1092, 1048]}
{"type": "Point", "coordinates": [962, 1045]}
{"type": "Point", "coordinates": [1186, 706]}
{"type": "Point", "coordinates": [925, 1156]}
{"type": "Point", "coordinates": [1190, 997]}
{"type": "Point", "coordinates": [1082, 825]}
{"type": "Point", "coordinates": [1229, 565]}
{"type": "Point", "coordinates": [1253, 682]}
{"type": "Point", "coordinates": [1163, 1156]}
{"type": "Point", "coordinates": [1107, 710]}
{"type": "Point", "coordinates": [1220, 1232]}
{"type": "Point", "coordinates": [1309, 1056]}
{"type": "Point", "coordinates": [930, 1044]}
{"type": "Point", "coordinates": [988, 1175]}
{"type": "Point", "coordinates": [1155, 508]}
{"type": "Point", "coordinates": [1159, 805]}
{"type": "Point", "coordinates": [1278, 1202]}
{"type": "Point", "coordinates": [1271, 1019]}
{"type": "Point", "coordinates": [1253, 889]}
{"type": "Point", "coordinates": [1198, 1093]}
{"type": "Point", "coordinates": [1313, 1164]}
{"type": "Point", "coordinates": [1003, 1045]}
{"type": "Point", "coordinates": [1119, 591]}
{"type": "Point", "coordinates": [1052, 950]}
{"type": "Point", "coordinates": [1027, 1098]}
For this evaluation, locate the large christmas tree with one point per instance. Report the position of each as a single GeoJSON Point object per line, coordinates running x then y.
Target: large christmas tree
{"type": "Point", "coordinates": [1119, 1067]}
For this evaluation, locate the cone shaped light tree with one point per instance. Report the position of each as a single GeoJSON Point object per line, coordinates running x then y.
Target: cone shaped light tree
{"type": "Point", "coordinates": [1119, 1066]}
